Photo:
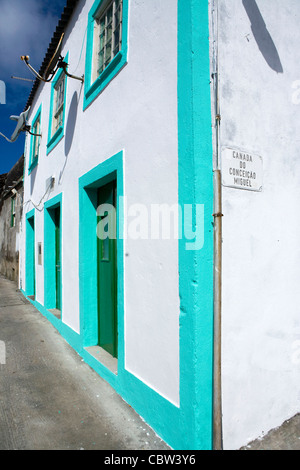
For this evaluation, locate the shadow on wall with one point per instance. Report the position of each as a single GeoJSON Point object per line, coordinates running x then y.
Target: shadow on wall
{"type": "Point", "coordinates": [32, 180]}
{"type": "Point", "coordinates": [70, 130]}
{"type": "Point", "coordinates": [262, 36]}
{"type": "Point", "coordinates": [71, 123]}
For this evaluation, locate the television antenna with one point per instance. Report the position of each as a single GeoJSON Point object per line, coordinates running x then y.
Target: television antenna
{"type": "Point", "coordinates": [24, 79]}
{"type": "Point", "coordinates": [56, 62]}
{"type": "Point", "coordinates": [21, 126]}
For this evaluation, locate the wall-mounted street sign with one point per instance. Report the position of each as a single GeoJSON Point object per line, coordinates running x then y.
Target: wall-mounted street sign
{"type": "Point", "coordinates": [242, 170]}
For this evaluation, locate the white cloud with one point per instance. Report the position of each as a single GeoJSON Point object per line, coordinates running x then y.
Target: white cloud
{"type": "Point", "coordinates": [24, 29]}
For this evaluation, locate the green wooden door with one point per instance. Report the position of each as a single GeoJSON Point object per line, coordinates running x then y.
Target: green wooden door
{"type": "Point", "coordinates": [107, 269]}
{"type": "Point", "coordinates": [57, 258]}
{"type": "Point", "coordinates": [33, 258]}
{"type": "Point", "coordinates": [30, 257]}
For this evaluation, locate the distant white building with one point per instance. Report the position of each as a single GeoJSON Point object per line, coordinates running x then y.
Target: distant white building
{"type": "Point", "coordinates": [180, 103]}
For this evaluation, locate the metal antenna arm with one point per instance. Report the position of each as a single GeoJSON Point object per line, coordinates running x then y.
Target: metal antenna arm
{"type": "Point", "coordinates": [8, 140]}
{"type": "Point", "coordinates": [64, 66]}
{"type": "Point", "coordinates": [25, 59]}
{"type": "Point", "coordinates": [27, 129]}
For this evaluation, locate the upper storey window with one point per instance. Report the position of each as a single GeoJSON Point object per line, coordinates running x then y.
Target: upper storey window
{"type": "Point", "coordinates": [59, 99]}
{"type": "Point", "coordinates": [35, 143]}
{"type": "Point", "coordinates": [106, 45]}
{"type": "Point", "coordinates": [108, 28]}
{"type": "Point", "coordinates": [57, 108]}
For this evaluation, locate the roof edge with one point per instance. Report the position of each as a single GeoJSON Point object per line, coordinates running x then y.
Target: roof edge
{"type": "Point", "coordinates": [60, 28]}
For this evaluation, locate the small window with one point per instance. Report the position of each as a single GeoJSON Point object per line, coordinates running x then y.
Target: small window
{"type": "Point", "coordinates": [39, 254]}
{"type": "Point", "coordinates": [35, 140]}
{"type": "Point", "coordinates": [106, 46]}
{"type": "Point", "coordinates": [13, 212]}
{"type": "Point", "coordinates": [57, 109]}
{"type": "Point", "coordinates": [59, 99]}
{"type": "Point", "coordinates": [108, 28]}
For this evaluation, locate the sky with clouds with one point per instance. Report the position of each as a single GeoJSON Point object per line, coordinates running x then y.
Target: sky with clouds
{"type": "Point", "coordinates": [26, 28]}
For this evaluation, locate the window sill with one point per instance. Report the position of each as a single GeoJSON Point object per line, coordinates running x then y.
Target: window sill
{"type": "Point", "coordinates": [32, 166]}
{"type": "Point", "coordinates": [94, 89]}
{"type": "Point", "coordinates": [55, 139]}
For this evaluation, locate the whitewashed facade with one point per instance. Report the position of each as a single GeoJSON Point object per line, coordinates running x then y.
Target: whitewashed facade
{"type": "Point", "coordinates": [259, 107]}
{"type": "Point", "coordinates": [151, 125]}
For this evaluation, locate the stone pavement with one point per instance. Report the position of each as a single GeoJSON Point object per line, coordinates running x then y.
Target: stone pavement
{"type": "Point", "coordinates": [49, 398]}
{"type": "Point", "coordinates": [285, 437]}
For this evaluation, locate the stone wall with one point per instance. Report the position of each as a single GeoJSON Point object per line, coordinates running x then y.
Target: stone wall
{"type": "Point", "coordinates": [11, 189]}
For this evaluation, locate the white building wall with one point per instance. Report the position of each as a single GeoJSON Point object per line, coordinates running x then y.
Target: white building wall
{"type": "Point", "coordinates": [135, 113]}
{"type": "Point", "coordinates": [258, 68]}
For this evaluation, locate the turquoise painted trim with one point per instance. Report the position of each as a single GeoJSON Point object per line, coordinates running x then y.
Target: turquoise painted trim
{"type": "Point", "coordinates": [49, 251]}
{"type": "Point", "coordinates": [92, 90]}
{"type": "Point", "coordinates": [155, 409]}
{"type": "Point", "coordinates": [188, 426]}
{"type": "Point", "coordinates": [30, 214]}
{"type": "Point", "coordinates": [194, 416]}
{"type": "Point", "coordinates": [195, 160]}
{"type": "Point", "coordinates": [32, 166]}
{"type": "Point", "coordinates": [69, 335]}
{"type": "Point", "coordinates": [33, 163]}
{"type": "Point", "coordinates": [88, 185]}
{"type": "Point", "coordinates": [30, 253]}
{"type": "Point", "coordinates": [54, 139]}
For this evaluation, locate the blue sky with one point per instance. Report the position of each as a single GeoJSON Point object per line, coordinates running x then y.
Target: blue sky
{"type": "Point", "coordinates": [26, 28]}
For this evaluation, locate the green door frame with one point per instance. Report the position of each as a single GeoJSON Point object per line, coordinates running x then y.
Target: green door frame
{"type": "Point", "coordinates": [52, 285]}
{"type": "Point", "coordinates": [57, 256]}
{"type": "Point", "coordinates": [30, 254]}
{"type": "Point", "coordinates": [107, 269]}
{"type": "Point", "coordinates": [109, 170]}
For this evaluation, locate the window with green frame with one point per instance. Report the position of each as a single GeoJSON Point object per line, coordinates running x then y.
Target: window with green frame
{"type": "Point", "coordinates": [13, 212]}
{"type": "Point", "coordinates": [57, 109]}
{"type": "Point", "coordinates": [35, 140]}
{"type": "Point", "coordinates": [106, 51]}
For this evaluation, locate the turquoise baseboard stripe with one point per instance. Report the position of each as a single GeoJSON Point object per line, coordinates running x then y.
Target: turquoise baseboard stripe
{"type": "Point", "coordinates": [68, 334]}
{"type": "Point", "coordinates": [105, 373]}
{"type": "Point", "coordinates": [74, 340]}
{"type": "Point", "coordinates": [159, 413]}
{"type": "Point", "coordinates": [153, 408]}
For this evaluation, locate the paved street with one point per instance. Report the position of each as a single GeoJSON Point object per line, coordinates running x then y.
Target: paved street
{"type": "Point", "coordinates": [49, 398]}
{"type": "Point", "coordinates": [285, 437]}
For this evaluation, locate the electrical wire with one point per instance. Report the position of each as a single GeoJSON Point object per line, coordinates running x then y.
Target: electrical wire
{"type": "Point", "coordinates": [81, 50]}
{"type": "Point", "coordinates": [36, 206]}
